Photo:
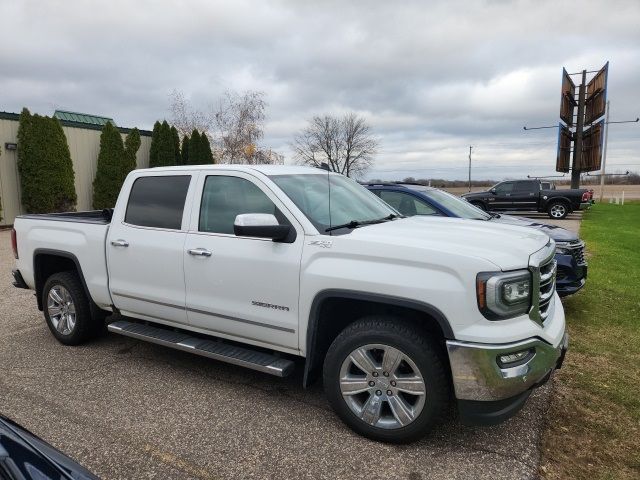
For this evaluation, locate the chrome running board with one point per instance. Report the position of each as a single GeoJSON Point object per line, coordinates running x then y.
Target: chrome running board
{"type": "Point", "coordinates": [217, 350]}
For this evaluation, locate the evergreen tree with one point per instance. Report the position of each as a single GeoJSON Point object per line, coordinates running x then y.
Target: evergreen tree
{"type": "Point", "coordinates": [194, 148]}
{"type": "Point", "coordinates": [176, 146]}
{"type": "Point", "coordinates": [44, 164]}
{"type": "Point", "coordinates": [184, 152]}
{"type": "Point", "coordinates": [153, 149]}
{"type": "Point", "coordinates": [207, 156]}
{"type": "Point", "coordinates": [113, 166]}
{"type": "Point", "coordinates": [166, 146]}
{"type": "Point", "coordinates": [131, 147]}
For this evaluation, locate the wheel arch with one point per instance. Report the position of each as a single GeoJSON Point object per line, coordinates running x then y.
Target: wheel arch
{"type": "Point", "coordinates": [561, 199]}
{"type": "Point", "coordinates": [351, 305]}
{"type": "Point", "coordinates": [47, 261]}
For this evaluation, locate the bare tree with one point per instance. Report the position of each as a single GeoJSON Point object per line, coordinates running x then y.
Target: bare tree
{"type": "Point", "coordinates": [234, 127]}
{"type": "Point", "coordinates": [240, 121]}
{"type": "Point", "coordinates": [186, 118]}
{"type": "Point", "coordinates": [346, 144]}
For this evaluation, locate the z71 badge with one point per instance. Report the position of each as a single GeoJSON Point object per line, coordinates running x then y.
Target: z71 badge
{"type": "Point", "coordinates": [321, 243]}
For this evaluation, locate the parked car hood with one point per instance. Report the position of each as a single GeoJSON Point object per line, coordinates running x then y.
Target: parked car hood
{"type": "Point", "coordinates": [34, 458]}
{"type": "Point", "coordinates": [559, 234]}
{"type": "Point", "coordinates": [506, 246]}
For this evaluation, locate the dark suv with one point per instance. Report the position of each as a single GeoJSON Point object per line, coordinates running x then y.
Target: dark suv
{"type": "Point", "coordinates": [411, 200]}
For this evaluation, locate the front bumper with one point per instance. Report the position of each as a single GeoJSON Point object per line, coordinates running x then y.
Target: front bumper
{"type": "Point", "coordinates": [489, 394]}
{"type": "Point", "coordinates": [571, 275]}
{"type": "Point", "coordinates": [477, 375]}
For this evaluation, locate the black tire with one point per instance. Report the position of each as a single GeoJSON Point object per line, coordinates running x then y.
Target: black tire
{"type": "Point", "coordinates": [480, 205]}
{"type": "Point", "coordinates": [413, 343]}
{"type": "Point", "coordinates": [85, 326]}
{"type": "Point", "coordinates": [557, 210]}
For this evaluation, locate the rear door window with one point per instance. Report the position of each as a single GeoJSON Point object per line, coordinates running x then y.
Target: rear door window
{"type": "Point", "coordinates": [158, 202]}
{"type": "Point", "coordinates": [525, 187]}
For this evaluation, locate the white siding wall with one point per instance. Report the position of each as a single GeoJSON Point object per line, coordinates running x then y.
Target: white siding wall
{"type": "Point", "coordinates": [84, 146]}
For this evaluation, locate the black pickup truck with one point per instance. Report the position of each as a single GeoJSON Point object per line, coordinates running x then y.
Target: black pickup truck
{"type": "Point", "coordinates": [528, 195]}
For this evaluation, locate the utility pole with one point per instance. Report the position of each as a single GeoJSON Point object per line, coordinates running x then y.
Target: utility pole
{"type": "Point", "coordinates": [577, 152]}
{"type": "Point", "coordinates": [470, 147]}
{"type": "Point", "coordinates": [604, 152]}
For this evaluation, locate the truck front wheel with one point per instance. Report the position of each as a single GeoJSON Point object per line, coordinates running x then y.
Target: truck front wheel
{"type": "Point", "coordinates": [385, 380]}
{"type": "Point", "coordinates": [66, 309]}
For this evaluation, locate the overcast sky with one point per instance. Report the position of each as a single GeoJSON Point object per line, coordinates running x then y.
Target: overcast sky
{"type": "Point", "coordinates": [431, 77]}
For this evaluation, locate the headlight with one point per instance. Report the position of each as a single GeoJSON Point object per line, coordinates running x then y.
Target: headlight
{"type": "Point", "coordinates": [503, 295]}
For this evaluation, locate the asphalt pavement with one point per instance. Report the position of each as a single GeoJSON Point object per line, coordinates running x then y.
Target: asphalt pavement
{"type": "Point", "coordinates": [131, 410]}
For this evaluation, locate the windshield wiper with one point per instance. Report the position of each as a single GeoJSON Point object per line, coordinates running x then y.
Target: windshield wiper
{"type": "Point", "coordinates": [358, 223]}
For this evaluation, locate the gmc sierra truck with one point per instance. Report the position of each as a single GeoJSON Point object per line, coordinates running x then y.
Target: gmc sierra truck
{"type": "Point", "coordinates": [528, 195]}
{"type": "Point", "coordinates": [258, 266]}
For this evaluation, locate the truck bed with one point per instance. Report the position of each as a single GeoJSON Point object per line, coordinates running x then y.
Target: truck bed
{"type": "Point", "coordinates": [100, 217]}
{"type": "Point", "coordinates": [79, 237]}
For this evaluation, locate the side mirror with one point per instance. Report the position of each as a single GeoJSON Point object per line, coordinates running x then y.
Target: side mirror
{"type": "Point", "coordinates": [260, 225]}
{"type": "Point", "coordinates": [493, 190]}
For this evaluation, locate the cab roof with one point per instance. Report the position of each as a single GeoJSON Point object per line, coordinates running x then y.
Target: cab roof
{"type": "Point", "coordinates": [264, 169]}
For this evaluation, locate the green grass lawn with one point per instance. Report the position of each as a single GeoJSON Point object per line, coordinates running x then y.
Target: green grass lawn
{"type": "Point", "coordinates": [593, 430]}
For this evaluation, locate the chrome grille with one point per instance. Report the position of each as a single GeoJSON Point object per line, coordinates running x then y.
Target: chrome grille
{"type": "Point", "coordinates": [578, 254]}
{"type": "Point", "coordinates": [547, 287]}
{"type": "Point", "coordinates": [543, 268]}
{"type": "Point", "coordinates": [575, 249]}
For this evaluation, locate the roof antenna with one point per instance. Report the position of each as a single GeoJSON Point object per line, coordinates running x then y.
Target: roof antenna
{"type": "Point", "coordinates": [325, 166]}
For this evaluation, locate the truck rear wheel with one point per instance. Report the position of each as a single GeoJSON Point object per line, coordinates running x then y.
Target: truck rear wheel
{"type": "Point", "coordinates": [66, 309]}
{"type": "Point", "coordinates": [385, 380]}
{"type": "Point", "coordinates": [558, 210]}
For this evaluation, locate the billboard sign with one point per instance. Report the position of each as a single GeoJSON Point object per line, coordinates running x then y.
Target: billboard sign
{"type": "Point", "coordinates": [596, 99]}
{"type": "Point", "coordinates": [567, 99]}
{"type": "Point", "coordinates": [563, 158]}
{"type": "Point", "coordinates": [592, 142]}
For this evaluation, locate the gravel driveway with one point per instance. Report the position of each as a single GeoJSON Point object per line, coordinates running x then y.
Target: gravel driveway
{"type": "Point", "coordinates": [127, 409]}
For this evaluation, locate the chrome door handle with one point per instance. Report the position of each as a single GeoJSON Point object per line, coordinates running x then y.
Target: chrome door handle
{"type": "Point", "coordinates": [119, 243]}
{"type": "Point", "coordinates": [199, 252]}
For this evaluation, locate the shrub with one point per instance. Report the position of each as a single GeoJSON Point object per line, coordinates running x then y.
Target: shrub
{"type": "Point", "coordinates": [176, 146]}
{"type": "Point", "coordinates": [153, 149]}
{"type": "Point", "coordinates": [194, 148]}
{"type": "Point", "coordinates": [44, 163]}
{"type": "Point", "coordinates": [112, 168]}
{"type": "Point", "coordinates": [207, 156]}
{"type": "Point", "coordinates": [166, 146]}
{"type": "Point", "coordinates": [131, 147]}
{"type": "Point", "coordinates": [184, 152]}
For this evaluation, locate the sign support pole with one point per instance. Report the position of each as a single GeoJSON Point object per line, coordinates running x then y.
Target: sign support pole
{"type": "Point", "coordinates": [604, 152]}
{"type": "Point", "coordinates": [577, 151]}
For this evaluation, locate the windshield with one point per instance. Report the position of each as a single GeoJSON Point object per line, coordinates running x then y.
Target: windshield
{"type": "Point", "coordinates": [349, 200]}
{"type": "Point", "coordinates": [456, 205]}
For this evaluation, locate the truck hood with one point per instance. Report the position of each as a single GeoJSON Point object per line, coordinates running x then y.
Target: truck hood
{"type": "Point", "coordinates": [508, 247]}
{"type": "Point", "coordinates": [559, 234]}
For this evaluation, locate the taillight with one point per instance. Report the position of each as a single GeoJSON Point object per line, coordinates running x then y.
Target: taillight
{"type": "Point", "coordinates": [585, 196]}
{"type": "Point", "coordinates": [14, 242]}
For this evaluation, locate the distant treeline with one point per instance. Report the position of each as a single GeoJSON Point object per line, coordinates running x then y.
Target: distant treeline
{"type": "Point", "coordinates": [631, 179]}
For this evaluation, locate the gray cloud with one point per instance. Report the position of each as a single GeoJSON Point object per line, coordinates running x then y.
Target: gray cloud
{"type": "Point", "coordinates": [431, 77]}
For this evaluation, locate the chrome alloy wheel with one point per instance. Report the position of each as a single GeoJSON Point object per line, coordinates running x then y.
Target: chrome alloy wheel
{"type": "Point", "coordinates": [61, 309]}
{"type": "Point", "coordinates": [382, 386]}
{"type": "Point", "coordinates": [558, 210]}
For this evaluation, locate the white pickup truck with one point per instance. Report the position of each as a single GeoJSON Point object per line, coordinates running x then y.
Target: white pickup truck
{"type": "Point", "coordinates": [258, 266]}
